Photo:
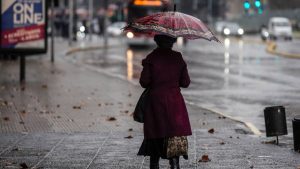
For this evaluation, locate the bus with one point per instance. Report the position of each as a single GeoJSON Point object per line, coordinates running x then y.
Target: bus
{"type": "Point", "coordinates": [141, 8]}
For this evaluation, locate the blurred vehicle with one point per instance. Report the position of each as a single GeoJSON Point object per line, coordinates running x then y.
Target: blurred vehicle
{"type": "Point", "coordinates": [280, 27]}
{"type": "Point", "coordinates": [219, 26]}
{"type": "Point", "coordinates": [229, 29]}
{"type": "Point", "coordinates": [264, 34]}
{"type": "Point", "coordinates": [81, 30]}
{"type": "Point", "coordinates": [138, 9]}
{"type": "Point", "coordinates": [115, 28]}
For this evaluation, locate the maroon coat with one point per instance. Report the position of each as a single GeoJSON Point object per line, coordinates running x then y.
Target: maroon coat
{"type": "Point", "coordinates": [165, 71]}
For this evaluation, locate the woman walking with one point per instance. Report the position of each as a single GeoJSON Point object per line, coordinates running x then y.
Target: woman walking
{"type": "Point", "coordinates": [166, 121]}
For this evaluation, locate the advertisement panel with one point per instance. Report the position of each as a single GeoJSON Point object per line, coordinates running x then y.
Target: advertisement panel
{"type": "Point", "coordinates": [23, 26]}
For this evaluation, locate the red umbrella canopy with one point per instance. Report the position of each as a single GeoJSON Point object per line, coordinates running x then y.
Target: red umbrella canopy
{"type": "Point", "coordinates": [175, 24]}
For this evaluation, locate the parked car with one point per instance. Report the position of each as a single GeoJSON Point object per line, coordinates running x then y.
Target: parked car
{"type": "Point", "coordinates": [280, 27]}
{"type": "Point", "coordinates": [229, 29]}
{"type": "Point", "coordinates": [115, 28]}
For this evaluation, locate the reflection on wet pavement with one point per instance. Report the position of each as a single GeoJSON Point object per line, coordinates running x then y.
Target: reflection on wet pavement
{"type": "Point", "coordinates": [237, 78]}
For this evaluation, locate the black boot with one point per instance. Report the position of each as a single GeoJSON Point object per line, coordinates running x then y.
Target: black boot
{"type": "Point", "coordinates": [154, 162]}
{"type": "Point", "coordinates": [174, 163]}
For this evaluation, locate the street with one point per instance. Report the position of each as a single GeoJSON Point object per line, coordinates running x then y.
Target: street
{"type": "Point", "coordinates": [238, 79]}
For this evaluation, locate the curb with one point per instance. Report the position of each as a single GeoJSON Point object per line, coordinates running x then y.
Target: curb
{"type": "Point", "coordinates": [271, 48]}
{"type": "Point", "coordinates": [88, 48]}
{"type": "Point", "coordinates": [249, 125]}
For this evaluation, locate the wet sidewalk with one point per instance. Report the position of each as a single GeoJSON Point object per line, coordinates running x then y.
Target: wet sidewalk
{"type": "Point", "coordinates": [68, 116]}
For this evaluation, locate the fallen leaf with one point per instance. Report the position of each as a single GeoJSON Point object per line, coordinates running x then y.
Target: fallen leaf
{"type": "Point", "coordinates": [21, 122]}
{"type": "Point", "coordinates": [230, 136]}
{"type": "Point", "coordinates": [222, 143]}
{"type": "Point", "coordinates": [111, 119]}
{"type": "Point", "coordinates": [23, 111]}
{"type": "Point", "coordinates": [23, 88]}
{"type": "Point", "coordinates": [58, 117]}
{"type": "Point", "coordinates": [99, 104]}
{"type": "Point", "coordinates": [44, 86]}
{"type": "Point", "coordinates": [6, 118]}
{"type": "Point", "coordinates": [269, 142]}
{"type": "Point", "coordinates": [15, 149]}
{"type": "Point", "coordinates": [211, 131]}
{"type": "Point", "coordinates": [238, 137]}
{"type": "Point", "coordinates": [129, 137]}
{"type": "Point", "coordinates": [58, 106]}
{"type": "Point", "coordinates": [76, 107]}
{"type": "Point", "coordinates": [126, 111]}
{"type": "Point", "coordinates": [129, 95]}
{"type": "Point", "coordinates": [130, 129]}
{"type": "Point", "coordinates": [23, 165]}
{"type": "Point", "coordinates": [203, 123]}
{"type": "Point", "coordinates": [204, 159]}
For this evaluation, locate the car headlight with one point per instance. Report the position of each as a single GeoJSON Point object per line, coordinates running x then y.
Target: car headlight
{"type": "Point", "coordinates": [226, 31]}
{"type": "Point", "coordinates": [266, 34]}
{"type": "Point", "coordinates": [130, 35]}
{"type": "Point", "coordinates": [241, 31]}
{"type": "Point", "coordinates": [82, 28]}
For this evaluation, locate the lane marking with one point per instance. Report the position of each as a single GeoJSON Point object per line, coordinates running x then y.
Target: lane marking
{"type": "Point", "coordinates": [271, 48]}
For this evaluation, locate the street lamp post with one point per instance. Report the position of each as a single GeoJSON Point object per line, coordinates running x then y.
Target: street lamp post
{"type": "Point", "coordinates": [210, 11]}
{"type": "Point", "coordinates": [71, 20]}
{"type": "Point", "coordinates": [52, 31]}
{"type": "Point", "coordinates": [90, 18]}
{"type": "Point", "coordinates": [105, 24]}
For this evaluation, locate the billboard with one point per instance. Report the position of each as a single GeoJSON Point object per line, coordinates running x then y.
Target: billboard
{"type": "Point", "coordinates": [23, 26]}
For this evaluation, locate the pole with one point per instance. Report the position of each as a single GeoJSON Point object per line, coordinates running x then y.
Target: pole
{"type": "Point", "coordinates": [210, 11]}
{"type": "Point", "coordinates": [22, 69]}
{"type": "Point", "coordinates": [52, 31]}
{"type": "Point", "coordinates": [105, 24]}
{"type": "Point", "coordinates": [90, 18]}
{"type": "Point", "coordinates": [277, 140]}
{"type": "Point", "coordinates": [71, 5]}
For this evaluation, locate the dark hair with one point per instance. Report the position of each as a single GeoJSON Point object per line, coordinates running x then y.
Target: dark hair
{"type": "Point", "coordinates": [164, 41]}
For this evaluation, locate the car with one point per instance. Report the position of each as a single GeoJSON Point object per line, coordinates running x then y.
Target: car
{"type": "Point", "coordinates": [115, 29]}
{"type": "Point", "coordinates": [280, 27]}
{"type": "Point", "coordinates": [229, 29]}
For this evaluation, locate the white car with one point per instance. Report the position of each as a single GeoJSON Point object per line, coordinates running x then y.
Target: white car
{"type": "Point", "coordinates": [115, 28]}
{"type": "Point", "coordinates": [280, 27]}
{"type": "Point", "coordinates": [229, 29]}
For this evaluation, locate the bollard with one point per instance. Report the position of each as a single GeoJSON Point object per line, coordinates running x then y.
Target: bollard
{"type": "Point", "coordinates": [296, 133]}
{"type": "Point", "coordinates": [275, 121]}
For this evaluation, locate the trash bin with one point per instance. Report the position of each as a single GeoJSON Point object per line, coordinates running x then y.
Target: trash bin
{"type": "Point", "coordinates": [275, 121]}
{"type": "Point", "coordinates": [296, 133]}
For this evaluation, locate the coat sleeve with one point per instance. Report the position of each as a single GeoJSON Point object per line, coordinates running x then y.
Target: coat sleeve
{"type": "Point", "coordinates": [145, 79]}
{"type": "Point", "coordinates": [184, 80]}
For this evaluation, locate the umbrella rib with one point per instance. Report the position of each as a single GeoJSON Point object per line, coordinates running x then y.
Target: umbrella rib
{"type": "Point", "coordinates": [185, 24]}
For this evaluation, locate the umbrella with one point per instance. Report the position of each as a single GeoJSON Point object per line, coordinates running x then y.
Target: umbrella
{"type": "Point", "coordinates": [174, 24]}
